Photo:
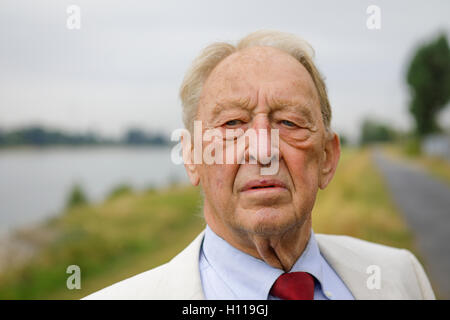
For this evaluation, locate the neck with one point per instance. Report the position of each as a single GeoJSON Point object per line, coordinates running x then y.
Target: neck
{"type": "Point", "coordinates": [280, 250]}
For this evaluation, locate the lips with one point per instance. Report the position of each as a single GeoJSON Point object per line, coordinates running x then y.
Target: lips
{"type": "Point", "coordinates": [263, 184]}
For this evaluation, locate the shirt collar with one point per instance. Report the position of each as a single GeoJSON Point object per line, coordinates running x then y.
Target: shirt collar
{"type": "Point", "coordinates": [251, 278]}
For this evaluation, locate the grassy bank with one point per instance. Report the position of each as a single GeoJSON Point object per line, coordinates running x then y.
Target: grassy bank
{"type": "Point", "coordinates": [134, 232]}
{"type": "Point", "coordinates": [109, 242]}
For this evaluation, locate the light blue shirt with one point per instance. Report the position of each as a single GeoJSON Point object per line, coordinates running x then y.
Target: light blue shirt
{"type": "Point", "coordinates": [230, 274]}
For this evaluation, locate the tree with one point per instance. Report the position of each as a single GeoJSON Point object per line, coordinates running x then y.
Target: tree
{"type": "Point", "coordinates": [429, 79]}
{"type": "Point", "coordinates": [373, 131]}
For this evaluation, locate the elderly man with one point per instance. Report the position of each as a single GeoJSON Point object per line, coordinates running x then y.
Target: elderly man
{"type": "Point", "coordinates": [258, 242]}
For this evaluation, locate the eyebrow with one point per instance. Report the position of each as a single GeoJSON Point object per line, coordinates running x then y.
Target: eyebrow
{"type": "Point", "coordinates": [276, 105]}
{"type": "Point", "coordinates": [303, 109]}
{"type": "Point", "coordinates": [230, 104]}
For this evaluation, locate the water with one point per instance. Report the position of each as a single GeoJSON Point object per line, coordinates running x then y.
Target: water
{"type": "Point", "coordinates": [34, 183]}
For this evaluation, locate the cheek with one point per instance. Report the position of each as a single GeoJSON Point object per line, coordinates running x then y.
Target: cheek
{"type": "Point", "coordinates": [303, 161]}
{"type": "Point", "coordinates": [221, 176]}
{"type": "Point", "coordinates": [218, 179]}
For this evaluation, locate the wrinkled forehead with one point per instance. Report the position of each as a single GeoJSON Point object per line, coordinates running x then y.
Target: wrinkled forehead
{"type": "Point", "coordinates": [245, 73]}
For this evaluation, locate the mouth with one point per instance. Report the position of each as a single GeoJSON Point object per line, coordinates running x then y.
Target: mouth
{"type": "Point", "coordinates": [263, 185]}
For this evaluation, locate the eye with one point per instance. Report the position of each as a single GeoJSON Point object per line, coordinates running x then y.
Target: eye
{"type": "Point", "coordinates": [233, 123]}
{"type": "Point", "coordinates": [288, 123]}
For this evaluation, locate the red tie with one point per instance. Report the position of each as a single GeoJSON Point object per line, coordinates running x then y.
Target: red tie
{"type": "Point", "coordinates": [294, 286]}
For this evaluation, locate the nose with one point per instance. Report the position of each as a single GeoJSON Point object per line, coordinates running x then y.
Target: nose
{"type": "Point", "coordinates": [264, 148]}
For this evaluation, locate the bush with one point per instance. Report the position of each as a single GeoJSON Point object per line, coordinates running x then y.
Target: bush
{"type": "Point", "coordinates": [412, 147]}
{"type": "Point", "coordinates": [375, 132]}
{"type": "Point", "coordinates": [119, 190]}
{"type": "Point", "coordinates": [76, 197]}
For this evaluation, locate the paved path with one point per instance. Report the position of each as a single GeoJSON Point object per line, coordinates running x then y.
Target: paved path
{"type": "Point", "coordinates": [425, 203]}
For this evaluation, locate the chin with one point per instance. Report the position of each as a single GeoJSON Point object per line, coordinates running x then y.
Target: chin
{"type": "Point", "coordinates": [269, 222]}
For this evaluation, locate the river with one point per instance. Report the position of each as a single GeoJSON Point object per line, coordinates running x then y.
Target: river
{"type": "Point", "coordinates": [35, 182]}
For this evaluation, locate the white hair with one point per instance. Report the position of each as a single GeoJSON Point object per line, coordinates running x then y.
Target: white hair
{"type": "Point", "coordinates": [213, 54]}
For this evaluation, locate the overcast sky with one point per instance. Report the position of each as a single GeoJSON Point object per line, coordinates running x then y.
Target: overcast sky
{"type": "Point", "coordinates": [124, 66]}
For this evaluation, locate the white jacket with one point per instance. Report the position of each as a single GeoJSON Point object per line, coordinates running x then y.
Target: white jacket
{"type": "Point", "coordinates": [402, 276]}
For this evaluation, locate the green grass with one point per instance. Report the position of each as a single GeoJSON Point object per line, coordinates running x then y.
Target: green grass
{"type": "Point", "coordinates": [133, 232]}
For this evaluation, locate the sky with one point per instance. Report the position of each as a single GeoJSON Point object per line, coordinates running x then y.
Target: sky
{"type": "Point", "coordinates": [125, 64]}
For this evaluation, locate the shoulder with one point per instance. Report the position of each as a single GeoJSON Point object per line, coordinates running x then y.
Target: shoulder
{"type": "Point", "coordinates": [177, 279]}
{"type": "Point", "coordinates": [358, 245]}
{"type": "Point", "coordinates": [362, 254]}
{"type": "Point", "coordinates": [399, 268]}
{"type": "Point", "coordinates": [370, 251]}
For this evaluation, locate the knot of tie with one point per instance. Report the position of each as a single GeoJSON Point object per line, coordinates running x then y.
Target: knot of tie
{"type": "Point", "coordinates": [294, 286]}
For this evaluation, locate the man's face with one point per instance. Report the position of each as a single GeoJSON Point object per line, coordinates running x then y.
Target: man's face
{"type": "Point", "coordinates": [262, 88]}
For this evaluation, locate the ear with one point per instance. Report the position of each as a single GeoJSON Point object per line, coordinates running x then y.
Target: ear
{"type": "Point", "coordinates": [192, 172]}
{"type": "Point", "coordinates": [188, 159]}
{"type": "Point", "coordinates": [332, 153]}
